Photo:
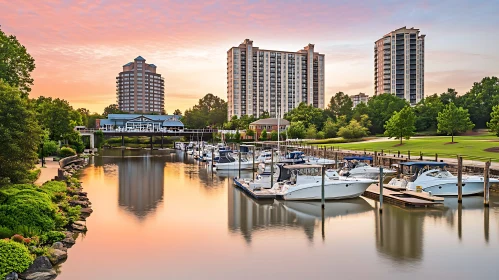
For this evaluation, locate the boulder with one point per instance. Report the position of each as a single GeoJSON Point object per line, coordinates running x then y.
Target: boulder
{"type": "Point", "coordinates": [83, 204]}
{"type": "Point", "coordinates": [59, 246]}
{"type": "Point", "coordinates": [86, 211]}
{"type": "Point", "coordinates": [12, 276]}
{"type": "Point", "coordinates": [41, 264]}
{"type": "Point", "coordinates": [80, 223]}
{"type": "Point", "coordinates": [78, 227]}
{"type": "Point", "coordinates": [82, 194]}
{"type": "Point", "coordinates": [82, 198]}
{"type": "Point", "coordinates": [57, 256]}
{"type": "Point", "coordinates": [69, 241]}
{"type": "Point", "coordinates": [46, 275]}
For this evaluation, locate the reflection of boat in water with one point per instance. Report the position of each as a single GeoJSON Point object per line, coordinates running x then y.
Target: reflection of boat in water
{"type": "Point", "coordinates": [233, 173]}
{"type": "Point", "coordinates": [332, 209]}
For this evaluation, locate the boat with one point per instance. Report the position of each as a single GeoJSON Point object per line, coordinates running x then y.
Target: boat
{"type": "Point", "coordinates": [266, 157]}
{"type": "Point", "coordinates": [303, 183]}
{"type": "Point", "coordinates": [227, 162]}
{"type": "Point", "coordinates": [295, 157]}
{"type": "Point", "coordinates": [355, 167]}
{"type": "Point", "coordinates": [432, 177]}
{"type": "Point", "coordinates": [317, 160]}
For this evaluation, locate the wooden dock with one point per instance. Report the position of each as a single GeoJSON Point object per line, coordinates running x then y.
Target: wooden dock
{"type": "Point", "coordinates": [403, 198]}
{"type": "Point", "coordinates": [257, 194]}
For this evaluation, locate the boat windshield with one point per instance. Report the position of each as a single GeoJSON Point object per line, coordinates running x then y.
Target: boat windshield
{"type": "Point", "coordinates": [440, 174]}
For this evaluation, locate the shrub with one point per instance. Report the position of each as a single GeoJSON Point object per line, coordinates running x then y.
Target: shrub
{"type": "Point", "coordinates": [51, 237]}
{"type": "Point", "coordinates": [321, 135]}
{"type": "Point", "coordinates": [66, 152]}
{"type": "Point", "coordinates": [33, 175]}
{"type": "Point", "coordinates": [14, 257]}
{"type": "Point", "coordinates": [50, 148]}
{"type": "Point", "coordinates": [56, 190]}
{"type": "Point", "coordinates": [353, 131]}
{"type": "Point", "coordinates": [5, 232]}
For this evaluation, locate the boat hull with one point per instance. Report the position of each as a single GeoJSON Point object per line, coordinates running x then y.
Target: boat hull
{"type": "Point", "coordinates": [450, 189]}
{"type": "Point", "coordinates": [234, 166]}
{"type": "Point", "coordinates": [338, 190]}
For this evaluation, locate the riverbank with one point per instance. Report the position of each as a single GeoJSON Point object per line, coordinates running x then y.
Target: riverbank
{"type": "Point", "coordinates": [41, 221]}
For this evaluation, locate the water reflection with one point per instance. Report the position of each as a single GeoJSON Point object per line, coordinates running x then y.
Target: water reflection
{"type": "Point", "coordinates": [247, 216]}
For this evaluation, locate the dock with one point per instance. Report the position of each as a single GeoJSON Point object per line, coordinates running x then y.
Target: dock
{"type": "Point", "coordinates": [404, 198]}
{"type": "Point", "coordinates": [257, 194]}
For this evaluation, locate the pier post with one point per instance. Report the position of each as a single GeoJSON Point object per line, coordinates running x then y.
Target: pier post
{"type": "Point", "coordinates": [253, 167]}
{"type": "Point", "coordinates": [460, 220]}
{"type": "Point", "coordinates": [375, 158]}
{"type": "Point", "coordinates": [271, 167]}
{"type": "Point", "coordinates": [486, 226]}
{"type": "Point", "coordinates": [436, 157]}
{"type": "Point", "coordinates": [336, 159]}
{"type": "Point", "coordinates": [323, 197]}
{"type": "Point", "coordinates": [162, 140]}
{"type": "Point", "coordinates": [122, 140]}
{"type": "Point", "coordinates": [382, 153]}
{"type": "Point", "coordinates": [486, 185]}
{"type": "Point", "coordinates": [240, 156]}
{"type": "Point", "coordinates": [408, 155]}
{"type": "Point", "coordinates": [459, 179]}
{"type": "Point", "coordinates": [381, 189]}
{"type": "Point", "coordinates": [212, 159]}
{"type": "Point", "coordinates": [325, 151]}
{"type": "Point", "coordinates": [398, 153]}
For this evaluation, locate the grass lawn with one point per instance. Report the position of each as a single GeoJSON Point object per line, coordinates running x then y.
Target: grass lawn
{"type": "Point", "coordinates": [470, 147]}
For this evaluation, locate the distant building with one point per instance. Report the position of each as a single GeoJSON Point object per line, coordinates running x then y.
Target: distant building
{"type": "Point", "coordinates": [131, 122]}
{"type": "Point", "coordinates": [272, 81]}
{"type": "Point", "coordinates": [269, 124]}
{"type": "Point", "coordinates": [139, 89]}
{"type": "Point", "coordinates": [399, 64]}
{"type": "Point", "coordinates": [359, 98]}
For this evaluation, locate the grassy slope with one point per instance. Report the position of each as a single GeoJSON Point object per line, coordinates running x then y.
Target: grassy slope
{"type": "Point", "coordinates": [467, 146]}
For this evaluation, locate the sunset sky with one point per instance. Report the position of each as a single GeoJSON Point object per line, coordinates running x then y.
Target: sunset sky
{"type": "Point", "coordinates": [80, 46]}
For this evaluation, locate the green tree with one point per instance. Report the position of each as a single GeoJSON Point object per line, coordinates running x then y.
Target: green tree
{"type": "Point", "coordinates": [450, 96]}
{"type": "Point", "coordinates": [20, 134]}
{"type": "Point", "coordinates": [111, 109]}
{"type": "Point", "coordinates": [359, 110]}
{"type": "Point", "coordinates": [493, 124]}
{"type": "Point", "coordinates": [307, 114]}
{"type": "Point", "coordinates": [57, 116]}
{"type": "Point", "coordinates": [177, 112]}
{"type": "Point", "coordinates": [453, 120]}
{"type": "Point", "coordinates": [329, 129]}
{"type": "Point", "coordinates": [381, 108]}
{"type": "Point", "coordinates": [273, 135]}
{"type": "Point", "coordinates": [210, 111]}
{"type": "Point", "coordinates": [427, 111]}
{"type": "Point", "coordinates": [340, 105]}
{"type": "Point", "coordinates": [16, 64]}
{"type": "Point", "coordinates": [311, 132]}
{"type": "Point", "coordinates": [353, 130]}
{"type": "Point", "coordinates": [321, 135]}
{"type": "Point", "coordinates": [84, 113]}
{"type": "Point", "coordinates": [480, 100]}
{"type": "Point", "coordinates": [237, 136]}
{"type": "Point", "coordinates": [296, 130]}
{"type": "Point", "coordinates": [92, 118]}
{"type": "Point", "coordinates": [251, 133]}
{"type": "Point", "coordinates": [263, 135]}
{"type": "Point", "coordinates": [401, 124]}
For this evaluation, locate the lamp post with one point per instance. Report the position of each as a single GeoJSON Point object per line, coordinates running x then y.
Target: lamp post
{"type": "Point", "coordinates": [41, 155]}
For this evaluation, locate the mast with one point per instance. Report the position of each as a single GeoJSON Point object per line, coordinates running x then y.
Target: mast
{"type": "Point", "coordinates": [278, 131]}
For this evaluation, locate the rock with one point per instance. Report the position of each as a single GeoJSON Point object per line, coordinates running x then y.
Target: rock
{"type": "Point", "coordinates": [57, 256]}
{"type": "Point", "coordinates": [12, 276]}
{"type": "Point", "coordinates": [78, 227]}
{"type": "Point", "coordinates": [82, 194]}
{"type": "Point", "coordinates": [83, 204]}
{"type": "Point", "coordinates": [46, 275]}
{"type": "Point", "coordinates": [82, 198]}
{"type": "Point", "coordinates": [69, 241]}
{"type": "Point", "coordinates": [41, 264]}
{"type": "Point", "coordinates": [59, 246]}
{"type": "Point", "coordinates": [80, 223]}
{"type": "Point", "coordinates": [86, 211]}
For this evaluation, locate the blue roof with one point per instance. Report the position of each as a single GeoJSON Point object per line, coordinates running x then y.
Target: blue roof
{"type": "Point", "coordinates": [128, 64]}
{"type": "Point", "coordinates": [152, 117]}
{"type": "Point", "coordinates": [153, 65]}
{"type": "Point", "coordinates": [423, 163]}
{"type": "Point", "coordinates": [358, 158]}
{"type": "Point", "coordinates": [140, 58]}
{"type": "Point", "coordinates": [173, 123]}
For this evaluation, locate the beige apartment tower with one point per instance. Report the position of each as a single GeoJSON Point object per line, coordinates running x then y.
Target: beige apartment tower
{"type": "Point", "coordinates": [139, 89]}
{"type": "Point", "coordinates": [399, 64]}
{"type": "Point", "coordinates": [271, 81]}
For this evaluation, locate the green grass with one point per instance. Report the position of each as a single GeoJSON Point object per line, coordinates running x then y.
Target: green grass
{"type": "Point", "coordinates": [470, 147]}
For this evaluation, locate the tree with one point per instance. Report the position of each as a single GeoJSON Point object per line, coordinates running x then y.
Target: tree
{"type": "Point", "coordinates": [401, 124]}
{"type": "Point", "coordinates": [311, 132]}
{"type": "Point", "coordinates": [91, 119]}
{"type": "Point", "coordinates": [237, 136]}
{"type": "Point", "coordinates": [251, 133]}
{"type": "Point", "coordinates": [353, 130]}
{"type": "Point", "coordinates": [307, 114]}
{"type": "Point", "coordinates": [340, 105]}
{"type": "Point", "coordinates": [359, 110]}
{"type": "Point", "coordinates": [273, 135]}
{"type": "Point", "coordinates": [321, 135]}
{"type": "Point", "coordinates": [177, 112]}
{"type": "Point", "coordinates": [57, 116]}
{"type": "Point", "coordinates": [364, 120]}
{"type": "Point", "coordinates": [329, 129]}
{"type": "Point", "coordinates": [111, 109]}
{"type": "Point", "coordinates": [263, 135]}
{"type": "Point", "coordinates": [493, 124]}
{"type": "Point", "coordinates": [296, 130]}
{"type": "Point", "coordinates": [210, 111]}
{"type": "Point", "coordinates": [450, 96]}
{"type": "Point", "coordinates": [16, 64]}
{"type": "Point", "coordinates": [20, 134]}
{"type": "Point", "coordinates": [381, 108]}
{"type": "Point", "coordinates": [84, 113]}
{"type": "Point", "coordinates": [480, 100]}
{"type": "Point", "coordinates": [427, 111]}
{"type": "Point", "coordinates": [453, 120]}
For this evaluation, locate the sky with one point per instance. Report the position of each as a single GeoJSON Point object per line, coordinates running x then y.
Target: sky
{"type": "Point", "coordinates": [80, 46]}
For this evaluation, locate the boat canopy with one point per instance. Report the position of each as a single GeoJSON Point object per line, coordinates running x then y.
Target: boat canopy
{"type": "Point", "coordinates": [358, 158]}
{"type": "Point", "coordinates": [303, 166]}
{"type": "Point", "coordinates": [295, 155]}
{"type": "Point", "coordinates": [424, 163]}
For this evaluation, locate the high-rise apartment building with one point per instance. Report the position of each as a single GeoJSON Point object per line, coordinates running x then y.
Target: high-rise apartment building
{"type": "Point", "coordinates": [139, 89]}
{"type": "Point", "coordinates": [359, 98]}
{"type": "Point", "coordinates": [271, 81]}
{"type": "Point", "coordinates": [399, 64]}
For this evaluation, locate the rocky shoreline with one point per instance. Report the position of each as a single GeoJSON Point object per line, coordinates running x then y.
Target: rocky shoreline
{"type": "Point", "coordinates": [44, 267]}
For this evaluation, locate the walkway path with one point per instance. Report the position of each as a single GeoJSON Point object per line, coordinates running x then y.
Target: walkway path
{"type": "Point", "coordinates": [48, 172]}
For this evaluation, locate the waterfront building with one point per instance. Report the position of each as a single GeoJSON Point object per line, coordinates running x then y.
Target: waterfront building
{"type": "Point", "coordinates": [269, 124]}
{"type": "Point", "coordinates": [359, 98]}
{"type": "Point", "coordinates": [399, 64]}
{"type": "Point", "coordinates": [272, 81]}
{"type": "Point", "coordinates": [134, 122]}
{"type": "Point", "coordinates": [139, 88]}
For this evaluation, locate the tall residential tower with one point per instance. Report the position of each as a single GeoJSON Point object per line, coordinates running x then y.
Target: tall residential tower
{"type": "Point", "coordinates": [399, 64]}
{"type": "Point", "coordinates": [139, 89]}
{"type": "Point", "coordinates": [271, 81]}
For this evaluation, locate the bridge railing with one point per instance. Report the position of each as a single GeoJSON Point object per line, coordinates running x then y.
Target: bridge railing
{"type": "Point", "coordinates": [182, 131]}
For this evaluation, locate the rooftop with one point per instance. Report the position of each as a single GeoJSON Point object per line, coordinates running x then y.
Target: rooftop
{"type": "Point", "coordinates": [270, 121]}
{"type": "Point", "coordinates": [140, 58]}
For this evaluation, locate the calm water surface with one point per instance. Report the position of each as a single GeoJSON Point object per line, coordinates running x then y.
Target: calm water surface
{"type": "Point", "coordinates": [164, 216]}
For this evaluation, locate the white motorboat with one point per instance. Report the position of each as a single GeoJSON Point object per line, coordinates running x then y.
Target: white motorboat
{"type": "Point", "coordinates": [266, 157]}
{"type": "Point", "coordinates": [304, 184]}
{"type": "Point", "coordinates": [317, 160]}
{"type": "Point", "coordinates": [227, 162]}
{"type": "Point", "coordinates": [432, 177]}
{"type": "Point", "coordinates": [355, 168]}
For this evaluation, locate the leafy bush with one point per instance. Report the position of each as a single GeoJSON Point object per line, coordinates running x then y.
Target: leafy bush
{"type": "Point", "coordinates": [14, 257]}
{"type": "Point", "coordinates": [33, 175]}
{"type": "Point", "coordinates": [51, 237]}
{"type": "Point", "coordinates": [336, 140]}
{"type": "Point", "coordinates": [321, 135]}
{"type": "Point", "coordinates": [66, 152]}
{"type": "Point", "coordinates": [50, 148]}
{"type": "Point", "coordinates": [56, 190]}
{"type": "Point", "coordinates": [6, 232]}
{"type": "Point", "coordinates": [353, 131]}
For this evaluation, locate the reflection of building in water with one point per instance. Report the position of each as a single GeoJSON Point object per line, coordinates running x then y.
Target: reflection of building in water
{"type": "Point", "coordinates": [247, 215]}
{"type": "Point", "coordinates": [399, 233]}
{"type": "Point", "coordinates": [140, 184]}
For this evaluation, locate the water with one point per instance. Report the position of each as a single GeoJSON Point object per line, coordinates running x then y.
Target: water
{"type": "Point", "coordinates": [164, 216]}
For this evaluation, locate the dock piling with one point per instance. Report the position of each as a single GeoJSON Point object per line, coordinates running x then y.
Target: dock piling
{"type": "Point", "coordinates": [459, 179]}
{"type": "Point", "coordinates": [486, 185]}
{"type": "Point", "coordinates": [240, 156]}
{"type": "Point", "coordinates": [381, 189]}
{"type": "Point", "coordinates": [271, 166]}
{"type": "Point", "coordinates": [323, 199]}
